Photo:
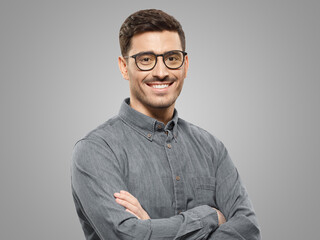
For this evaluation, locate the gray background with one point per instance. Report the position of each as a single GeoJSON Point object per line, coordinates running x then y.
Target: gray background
{"type": "Point", "coordinates": [253, 82]}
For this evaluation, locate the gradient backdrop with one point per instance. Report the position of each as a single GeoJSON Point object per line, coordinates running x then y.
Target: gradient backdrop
{"type": "Point", "coordinates": [253, 82]}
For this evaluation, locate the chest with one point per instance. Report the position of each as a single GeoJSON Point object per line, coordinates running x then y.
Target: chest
{"type": "Point", "coordinates": [169, 177]}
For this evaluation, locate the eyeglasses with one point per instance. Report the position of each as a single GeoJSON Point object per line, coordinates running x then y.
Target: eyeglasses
{"type": "Point", "coordinates": [146, 61]}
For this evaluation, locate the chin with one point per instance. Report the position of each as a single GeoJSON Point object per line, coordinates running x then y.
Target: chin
{"type": "Point", "coordinates": [161, 104]}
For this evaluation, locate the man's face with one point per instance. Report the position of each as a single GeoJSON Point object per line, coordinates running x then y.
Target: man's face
{"type": "Point", "coordinates": [159, 87]}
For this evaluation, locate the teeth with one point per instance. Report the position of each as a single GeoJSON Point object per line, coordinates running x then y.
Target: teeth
{"type": "Point", "coordinates": [160, 86]}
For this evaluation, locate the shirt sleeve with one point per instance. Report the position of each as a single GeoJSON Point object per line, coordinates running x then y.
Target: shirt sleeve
{"type": "Point", "coordinates": [234, 203]}
{"type": "Point", "coordinates": [96, 175]}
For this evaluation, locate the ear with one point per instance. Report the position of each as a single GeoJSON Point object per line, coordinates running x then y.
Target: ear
{"type": "Point", "coordinates": [186, 66]}
{"type": "Point", "coordinates": [123, 67]}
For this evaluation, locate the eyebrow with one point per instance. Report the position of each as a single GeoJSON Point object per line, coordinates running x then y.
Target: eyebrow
{"type": "Point", "coordinates": [148, 52]}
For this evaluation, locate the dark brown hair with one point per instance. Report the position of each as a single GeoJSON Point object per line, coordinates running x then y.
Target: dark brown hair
{"type": "Point", "coordinates": [149, 20]}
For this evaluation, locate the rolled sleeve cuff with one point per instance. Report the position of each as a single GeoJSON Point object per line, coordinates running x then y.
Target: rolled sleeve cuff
{"type": "Point", "coordinates": [203, 219]}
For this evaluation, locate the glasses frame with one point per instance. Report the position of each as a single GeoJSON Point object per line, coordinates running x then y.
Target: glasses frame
{"type": "Point", "coordinates": [156, 57]}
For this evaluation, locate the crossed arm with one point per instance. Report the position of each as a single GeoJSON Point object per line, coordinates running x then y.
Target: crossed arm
{"type": "Point", "coordinates": [101, 212]}
{"type": "Point", "coordinates": [133, 206]}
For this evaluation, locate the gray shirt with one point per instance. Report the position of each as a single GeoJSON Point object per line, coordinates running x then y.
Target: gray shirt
{"type": "Point", "coordinates": [178, 172]}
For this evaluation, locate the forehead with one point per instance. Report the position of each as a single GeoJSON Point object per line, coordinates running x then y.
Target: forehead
{"type": "Point", "coordinates": [157, 42]}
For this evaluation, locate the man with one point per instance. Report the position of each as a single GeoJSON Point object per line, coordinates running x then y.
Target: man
{"type": "Point", "coordinates": [147, 174]}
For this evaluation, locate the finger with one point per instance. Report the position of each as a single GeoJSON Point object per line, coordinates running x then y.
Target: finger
{"type": "Point", "coordinates": [127, 205]}
{"type": "Point", "coordinates": [121, 196]}
{"type": "Point", "coordinates": [133, 213]}
{"type": "Point", "coordinates": [126, 196]}
{"type": "Point", "coordinates": [126, 193]}
{"type": "Point", "coordinates": [221, 217]}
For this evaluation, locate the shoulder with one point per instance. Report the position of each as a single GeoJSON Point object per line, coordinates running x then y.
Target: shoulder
{"type": "Point", "coordinates": [198, 132]}
{"type": "Point", "coordinates": [201, 136]}
{"type": "Point", "coordinates": [106, 132]}
{"type": "Point", "coordinates": [99, 144]}
{"type": "Point", "coordinates": [104, 137]}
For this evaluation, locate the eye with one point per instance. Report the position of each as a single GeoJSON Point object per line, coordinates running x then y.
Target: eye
{"type": "Point", "coordinates": [146, 59]}
{"type": "Point", "coordinates": [173, 57]}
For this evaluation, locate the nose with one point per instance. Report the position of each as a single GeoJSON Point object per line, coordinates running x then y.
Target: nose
{"type": "Point", "coordinates": [160, 71]}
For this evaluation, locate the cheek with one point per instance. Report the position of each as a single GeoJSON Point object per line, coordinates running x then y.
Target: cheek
{"type": "Point", "coordinates": [181, 84]}
{"type": "Point", "coordinates": [136, 78]}
{"type": "Point", "coordinates": [131, 73]}
{"type": "Point", "coordinates": [181, 76]}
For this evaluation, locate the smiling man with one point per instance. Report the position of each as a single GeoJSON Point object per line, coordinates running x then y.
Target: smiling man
{"type": "Point", "coordinates": [155, 84]}
{"type": "Point", "coordinates": [146, 173]}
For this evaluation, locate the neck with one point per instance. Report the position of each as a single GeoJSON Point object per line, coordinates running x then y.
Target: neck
{"type": "Point", "coordinates": [161, 114]}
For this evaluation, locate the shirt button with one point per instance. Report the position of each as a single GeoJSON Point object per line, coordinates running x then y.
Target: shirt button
{"type": "Point", "coordinates": [169, 145]}
{"type": "Point", "coordinates": [159, 127]}
{"type": "Point", "coordinates": [177, 178]}
{"type": "Point", "coordinates": [149, 135]}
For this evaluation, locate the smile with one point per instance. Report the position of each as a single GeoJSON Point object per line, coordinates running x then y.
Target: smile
{"type": "Point", "coordinates": [160, 86]}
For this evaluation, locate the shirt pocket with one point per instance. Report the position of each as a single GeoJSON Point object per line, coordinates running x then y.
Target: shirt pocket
{"type": "Point", "coordinates": [205, 190]}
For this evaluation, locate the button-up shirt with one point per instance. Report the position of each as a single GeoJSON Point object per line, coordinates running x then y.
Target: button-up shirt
{"type": "Point", "coordinates": [178, 172]}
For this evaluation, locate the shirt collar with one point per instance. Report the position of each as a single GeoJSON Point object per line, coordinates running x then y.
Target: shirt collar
{"type": "Point", "coordinates": [143, 124]}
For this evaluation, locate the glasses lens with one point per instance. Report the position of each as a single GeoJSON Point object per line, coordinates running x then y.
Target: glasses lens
{"type": "Point", "coordinates": [173, 59]}
{"type": "Point", "coordinates": [145, 61]}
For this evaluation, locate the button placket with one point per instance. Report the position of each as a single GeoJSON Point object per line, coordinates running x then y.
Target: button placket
{"type": "Point", "coordinates": [177, 178]}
